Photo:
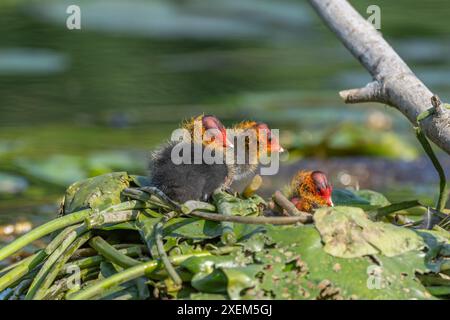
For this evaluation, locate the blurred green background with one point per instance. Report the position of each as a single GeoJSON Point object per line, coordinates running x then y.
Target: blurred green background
{"type": "Point", "coordinates": [77, 103]}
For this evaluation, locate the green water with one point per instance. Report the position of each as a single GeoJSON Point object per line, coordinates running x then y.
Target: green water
{"type": "Point", "coordinates": [119, 86]}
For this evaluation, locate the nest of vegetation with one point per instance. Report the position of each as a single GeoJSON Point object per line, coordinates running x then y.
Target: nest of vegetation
{"type": "Point", "coordinates": [118, 239]}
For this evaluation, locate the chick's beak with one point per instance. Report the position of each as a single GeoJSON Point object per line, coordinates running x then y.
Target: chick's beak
{"type": "Point", "coordinates": [224, 138]}
{"type": "Point", "coordinates": [330, 202]}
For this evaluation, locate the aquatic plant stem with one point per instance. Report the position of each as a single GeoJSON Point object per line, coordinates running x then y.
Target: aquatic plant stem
{"type": "Point", "coordinates": [126, 275]}
{"type": "Point", "coordinates": [437, 165]}
{"type": "Point", "coordinates": [42, 288]}
{"type": "Point", "coordinates": [386, 210]}
{"type": "Point", "coordinates": [247, 219]}
{"type": "Point", "coordinates": [27, 264]}
{"type": "Point", "coordinates": [60, 223]}
{"type": "Point", "coordinates": [63, 284]}
{"type": "Point", "coordinates": [112, 254]}
{"type": "Point", "coordinates": [22, 269]}
{"type": "Point", "coordinates": [158, 230]}
{"type": "Point", "coordinates": [64, 240]}
{"type": "Point", "coordinates": [96, 260]}
{"type": "Point", "coordinates": [101, 218]}
{"type": "Point", "coordinates": [43, 230]}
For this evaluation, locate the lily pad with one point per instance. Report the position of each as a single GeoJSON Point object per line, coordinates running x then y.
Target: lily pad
{"type": "Point", "coordinates": [376, 277]}
{"type": "Point", "coordinates": [12, 184]}
{"type": "Point", "coordinates": [96, 193]}
{"type": "Point", "coordinates": [374, 198]}
{"type": "Point", "coordinates": [344, 197]}
{"type": "Point", "coordinates": [57, 169]}
{"type": "Point", "coordinates": [192, 228]}
{"type": "Point", "coordinates": [235, 206]}
{"type": "Point", "coordinates": [348, 233]}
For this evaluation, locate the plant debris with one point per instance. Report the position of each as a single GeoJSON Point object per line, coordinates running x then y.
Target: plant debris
{"type": "Point", "coordinates": [115, 241]}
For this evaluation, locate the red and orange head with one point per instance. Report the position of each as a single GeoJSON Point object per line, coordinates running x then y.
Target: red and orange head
{"type": "Point", "coordinates": [264, 135]}
{"type": "Point", "coordinates": [208, 130]}
{"type": "Point", "coordinates": [311, 189]}
{"type": "Point", "coordinates": [323, 188]}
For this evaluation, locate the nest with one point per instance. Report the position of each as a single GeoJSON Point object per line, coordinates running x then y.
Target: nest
{"type": "Point", "coordinates": [118, 238]}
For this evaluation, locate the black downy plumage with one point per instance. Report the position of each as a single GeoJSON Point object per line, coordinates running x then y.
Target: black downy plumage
{"type": "Point", "coordinates": [192, 181]}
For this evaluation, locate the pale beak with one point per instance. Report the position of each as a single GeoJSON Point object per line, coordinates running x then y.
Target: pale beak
{"type": "Point", "coordinates": [281, 149]}
{"type": "Point", "coordinates": [330, 203]}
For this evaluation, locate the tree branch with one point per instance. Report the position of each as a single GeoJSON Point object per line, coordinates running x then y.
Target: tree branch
{"type": "Point", "coordinates": [394, 82]}
{"type": "Point", "coordinates": [372, 92]}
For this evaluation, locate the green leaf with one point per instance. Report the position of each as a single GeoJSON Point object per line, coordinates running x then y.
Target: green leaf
{"type": "Point", "coordinates": [146, 224]}
{"type": "Point", "coordinates": [347, 232]}
{"type": "Point", "coordinates": [374, 198]}
{"type": "Point", "coordinates": [129, 225]}
{"type": "Point", "coordinates": [192, 228]}
{"type": "Point", "coordinates": [140, 181]}
{"type": "Point", "coordinates": [57, 169]}
{"type": "Point", "coordinates": [206, 264]}
{"type": "Point", "coordinates": [212, 282]}
{"type": "Point", "coordinates": [236, 206]}
{"type": "Point", "coordinates": [344, 197]}
{"type": "Point", "coordinates": [97, 193]}
{"type": "Point", "coordinates": [240, 278]}
{"type": "Point", "coordinates": [349, 278]}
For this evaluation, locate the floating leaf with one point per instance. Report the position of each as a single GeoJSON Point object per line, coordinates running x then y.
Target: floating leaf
{"type": "Point", "coordinates": [350, 278]}
{"type": "Point", "coordinates": [57, 169]}
{"type": "Point", "coordinates": [374, 198]}
{"type": "Point", "coordinates": [344, 197]}
{"type": "Point", "coordinates": [12, 184]}
{"type": "Point", "coordinates": [97, 193]}
{"type": "Point", "coordinates": [240, 278]}
{"type": "Point", "coordinates": [192, 228]}
{"type": "Point", "coordinates": [347, 232]}
{"type": "Point", "coordinates": [237, 206]}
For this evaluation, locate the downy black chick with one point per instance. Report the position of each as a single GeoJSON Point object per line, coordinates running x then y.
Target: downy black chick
{"type": "Point", "coordinates": [193, 178]}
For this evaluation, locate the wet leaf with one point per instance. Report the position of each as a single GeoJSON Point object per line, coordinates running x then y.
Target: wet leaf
{"type": "Point", "coordinates": [57, 169]}
{"type": "Point", "coordinates": [237, 206]}
{"type": "Point", "coordinates": [347, 232]}
{"type": "Point", "coordinates": [374, 198]}
{"type": "Point", "coordinates": [208, 263]}
{"type": "Point", "coordinates": [192, 228]}
{"type": "Point", "coordinates": [97, 193]}
{"type": "Point", "coordinates": [350, 278]}
{"type": "Point", "coordinates": [344, 197]}
{"type": "Point", "coordinates": [12, 184]}
{"type": "Point", "coordinates": [212, 282]}
{"type": "Point", "coordinates": [129, 225]}
{"type": "Point", "coordinates": [140, 181]}
{"type": "Point", "coordinates": [146, 225]}
{"type": "Point", "coordinates": [240, 278]}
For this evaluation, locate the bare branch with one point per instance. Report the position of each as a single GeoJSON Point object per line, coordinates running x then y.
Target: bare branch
{"type": "Point", "coordinates": [372, 92]}
{"type": "Point", "coordinates": [290, 208]}
{"type": "Point", "coordinates": [398, 85]}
